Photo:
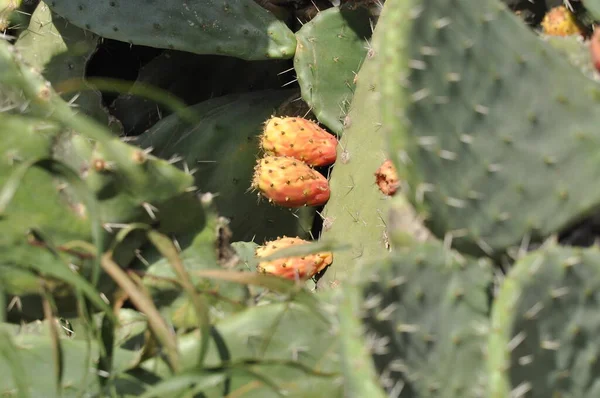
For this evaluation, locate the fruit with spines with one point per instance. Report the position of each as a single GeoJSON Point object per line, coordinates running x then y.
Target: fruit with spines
{"type": "Point", "coordinates": [289, 182]}
{"type": "Point", "coordinates": [227, 129]}
{"type": "Point", "coordinates": [301, 267]}
{"type": "Point", "coordinates": [595, 49]}
{"type": "Point", "coordinates": [386, 178]}
{"type": "Point", "coordinates": [559, 21]}
{"type": "Point", "coordinates": [299, 138]}
{"type": "Point", "coordinates": [7, 7]}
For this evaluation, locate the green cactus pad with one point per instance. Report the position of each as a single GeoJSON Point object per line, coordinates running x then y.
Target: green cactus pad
{"type": "Point", "coordinates": [47, 211]}
{"type": "Point", "coordinates": [134, 186]}
{"type": "Point", "coordinates": [495, 145]}
{"type": "Point", "coordinates": [576, 51]}
{"type": "Point", "coordinates": [357, 211]}
{"type": "Point", "coordinates": [425, 312]}
{"type": "Point", "coordinates": [360, 375]}
{"type": "Point", "coordinates": [236, 28]}
{"type": "Point", "coordinates": [545, 326]}
{"type": "Point", "coordinates": [223, 149]}
{"type": "Point", "coordinates": [298, 346]}
{"type": "Point", "coordinates": [36, 204]}
{"type": "Point", "coordinates": [330, 51]}
{"type": "Point", "coordinates": [61, 51]}
{"type": "Point", "coordinates": [37, 357]}
{"type": "Point", "coordinates": [43, 218]}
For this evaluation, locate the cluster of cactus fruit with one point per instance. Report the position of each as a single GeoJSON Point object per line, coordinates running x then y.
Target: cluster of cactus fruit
{"type": "Point", "coordinates": [284, 175]}
{"type": "Point", "coordinates": [426, 222]}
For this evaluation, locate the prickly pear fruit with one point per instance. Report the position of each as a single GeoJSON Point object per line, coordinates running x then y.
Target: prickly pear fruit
{"type": "Point", "coordinates": [291, 267]}
{"type": "Point", "coordinates": [290, 182]}
{"type": "Point", "coordinates": [559, 21]}
{"type": "Point", "coordinates": [595, 49]}
{"type": "Point", "coordinates": [386, 177]}
{"type": "Point", "coordinates": [6, 8]}
{"type": "Point", "coordinates": [299, 138]}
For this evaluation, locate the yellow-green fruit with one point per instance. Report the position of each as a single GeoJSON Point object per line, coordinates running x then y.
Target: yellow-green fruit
{"type": "Point", "coordinates": [559, 21]}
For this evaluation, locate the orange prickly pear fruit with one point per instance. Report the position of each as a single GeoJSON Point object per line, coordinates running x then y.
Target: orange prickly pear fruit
{"type": "Point", "coordinates": [386, 177]}
{"type": "Point", "coordinates": [559, 21]}
{"type": "Point", "coordinates": [302, 267]}
{"type": "Point", "coordinates": [289, 182]}
{"type": "Point", "coordinates": [299, 138]}
{"type": "Point", "coordinates": [595, 48]}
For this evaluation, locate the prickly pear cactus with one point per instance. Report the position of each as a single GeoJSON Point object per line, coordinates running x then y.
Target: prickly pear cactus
{"type": "Point", "coordinates": [56, 216]}
{"type": "Point", "coordinates": [222, 149]}
{"type": "Point", "coordinates": [416, 351]}
{"type": "Point", "coordinates": [77, 187]}
{"type": "Point", "coordinates": [544, 322]}
{"type": "Point", "coordinates": [577, 52]}
{"type": "Point", "coordinates": [356, 212]}
{"type": "Point", "coordinates": [331, 49]}
{"type": "Point", "coordinates": [61, 51]}
{"type": "Point", "coordinates": [464, 168]}
{"type": "Point", "coordinates": [147, 265]}
{"type": "Point", "coordinates": [237, 28]}
{"type": "Point", "coordinates": [207, 250]}
{"type": "Point", "coordinates": [296, 364]}
{"type": "Point", "coordinates": [36, 354]}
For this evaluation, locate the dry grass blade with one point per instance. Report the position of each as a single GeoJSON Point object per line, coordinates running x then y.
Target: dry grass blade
{"type": "Point", "coordinates": [145, 305]}
{"type": "Point", "coordinates": [182, 383]}
{"type": "Point", "coordinates": [55, 341]}
{"type": "Point", "coordinates": [166, 247]}
{"type": "Point", "coordinates": [271, 282]}
{"type": "Point", "coordinates": [140, 89]}
{"type": "Point", "coordinates": [306, 249]}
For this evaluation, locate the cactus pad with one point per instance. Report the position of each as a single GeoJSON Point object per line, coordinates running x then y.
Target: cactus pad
{"type": "Point", "coordinates": [425, 312]}
{"type": "Point", "coordinates": [494, 146]}
{"type": "Point", "coordinates": [303, 364]}
{"type": "Point", "coordinates": [223, 148]}
{"type": "Point", "coordinates": [237, 28]}
{"type": "Point", "coordinates": [61, 51]}
{"type": "Point", "coordinates": [356, 212]}
{"type": "Point", "coordinates": [545, 326]}
{"type": "Point", "coordinates": [330, 51]}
